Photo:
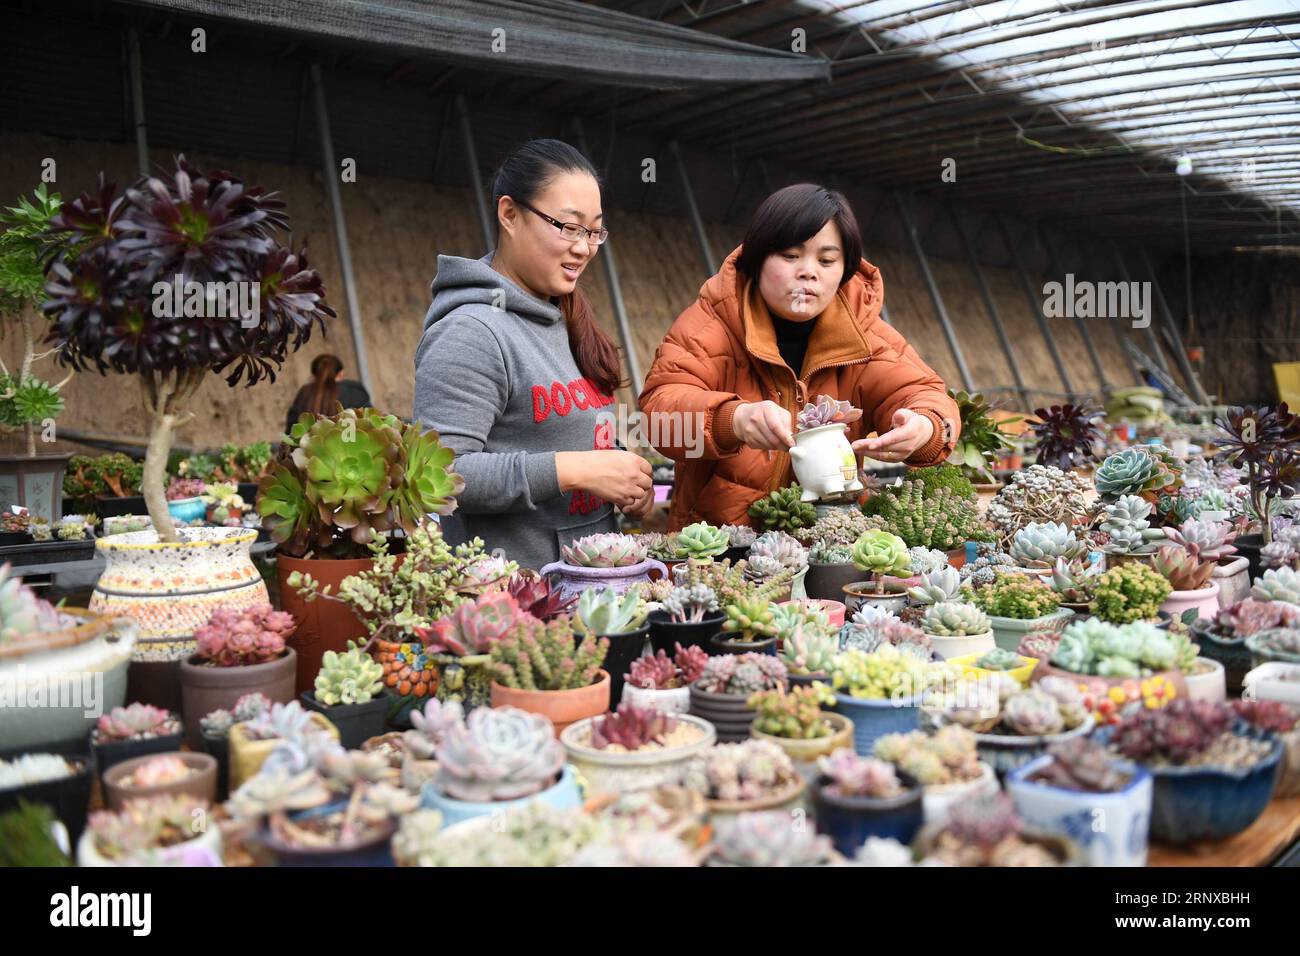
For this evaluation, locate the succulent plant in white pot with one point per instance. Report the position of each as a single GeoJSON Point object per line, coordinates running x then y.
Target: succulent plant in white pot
{"type": "Point", "coordinates": [957, 629]}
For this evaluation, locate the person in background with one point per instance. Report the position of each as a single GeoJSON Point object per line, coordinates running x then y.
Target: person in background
{"type": "Point", "coordinates": [323, 395]}
{"type": "Point", "coordinates": [518, 379]}
{"type": "Point", "coordinates": [793, 313]}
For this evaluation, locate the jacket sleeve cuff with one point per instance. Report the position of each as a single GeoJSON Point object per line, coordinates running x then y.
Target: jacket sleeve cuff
{"type": "Point", "coordinates": [933, 451]}
{"type": "Point", "coordinates": [543, 480]}
{"type": "Point", "coordinates": [723, 436]}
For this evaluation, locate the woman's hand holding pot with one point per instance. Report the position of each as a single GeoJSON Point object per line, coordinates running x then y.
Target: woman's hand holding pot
{"type": "Point", "coordinates": [622, 478]}
{"type": "Point", "coordinates": [763, 425]}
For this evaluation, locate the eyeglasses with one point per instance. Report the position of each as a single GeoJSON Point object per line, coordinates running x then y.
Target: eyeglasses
{"type": "Point", "coordinates": [572, 231]}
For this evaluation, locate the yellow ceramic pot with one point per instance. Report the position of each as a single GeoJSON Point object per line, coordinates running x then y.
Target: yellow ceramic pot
{"type": "Point", "coordinates": [247, 756]}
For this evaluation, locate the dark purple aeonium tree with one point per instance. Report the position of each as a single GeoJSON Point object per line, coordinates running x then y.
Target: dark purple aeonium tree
{"type": "Point", "coordinates": [116, 263]}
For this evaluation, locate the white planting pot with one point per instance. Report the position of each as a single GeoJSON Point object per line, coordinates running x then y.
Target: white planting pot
{"type": "Point", "coordinates": [938, 800]}
{"type": "Point", "coordinates": [824, 462]}
{"type": "Point", "coordinates": [1273, 680]}
{"type": "Point", "coordinates": [674, 700]}
{"type": "Point", "coordinates": [1211, 687]}
{"type": "Point", "coordinates": [946, 646]}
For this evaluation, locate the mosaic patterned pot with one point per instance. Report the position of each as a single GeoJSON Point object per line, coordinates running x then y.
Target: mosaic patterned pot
{"type": "Point", "coordinates": [171, 589]}
{"type": "Point", "coordinates": [411, 671]}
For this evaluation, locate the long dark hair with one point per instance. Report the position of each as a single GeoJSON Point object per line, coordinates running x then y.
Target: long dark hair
{"type": "Point", "coordinates": [526, 172]}
{"type": "Point", "coordinates": [322, 395]}
{"type": "Point", "coordinates": [794, 215]}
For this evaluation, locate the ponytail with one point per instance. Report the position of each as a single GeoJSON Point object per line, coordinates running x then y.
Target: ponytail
{"type": "Point", "coordinates": [322, 395]}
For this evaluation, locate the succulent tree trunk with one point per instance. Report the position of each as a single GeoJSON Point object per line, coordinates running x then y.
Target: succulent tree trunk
{"type": "Point", "coordinates": [164, 396]}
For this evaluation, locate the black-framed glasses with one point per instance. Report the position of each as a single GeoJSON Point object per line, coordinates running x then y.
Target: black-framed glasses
{"type": "Point", "coordinates": [572, 231]}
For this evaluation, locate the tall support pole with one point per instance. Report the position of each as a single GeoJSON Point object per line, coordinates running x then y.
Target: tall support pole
{"type": "Point", "coordinates": [1057, 267]}
{"type": "Point", "coordinates": [1035, 306]}
{"type": "Point", "coordinates": [1180, 350]}
{"type": "Point", "coordinates": [135, 68]}
{"type": "Point", "coordinates": [1120, 335]}
{"type": "Point", "coordinates": [936, 297]}
{"type": "Point", "coordinates": [615, 288]}
{"type": "Point", "coordinates": [991, 307]}
{"type": "Point", "coordinates": [1156, 355]}
{"type": "Point", "coordinates": [701, 237]}
{"type": "Point", "coordinates": [471, 159]}
{"type": "Point", "coordinates": [331, 171]}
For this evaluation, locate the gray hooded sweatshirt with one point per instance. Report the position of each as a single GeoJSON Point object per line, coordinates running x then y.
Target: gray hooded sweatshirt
{"type": "Point", "coordinates": [495, 377]}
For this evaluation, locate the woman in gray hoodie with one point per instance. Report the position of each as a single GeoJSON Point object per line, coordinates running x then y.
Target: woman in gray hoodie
{"type": "Point", "coordinates": [516, 376]}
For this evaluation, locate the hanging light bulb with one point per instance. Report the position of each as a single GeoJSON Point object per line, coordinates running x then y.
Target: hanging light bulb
{"type": "Point", "coordinates": [1184, 167]}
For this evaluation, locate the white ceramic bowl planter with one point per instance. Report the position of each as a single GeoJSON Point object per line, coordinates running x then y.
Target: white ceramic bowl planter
{"type": "Point", "coordinates": [207, 843]}
{"type": "Point", "coordinates": [961, 645]}
{"type": "Point", "coordinates": [939, 799]}
{"type": "Point", "coordinates": [1208, 684]}
{"type": "Point", "coordinates": [672, 700]}
{"type": "Point", "coordinates": [1273, 681]}
{"type": "Point", "coordinates": [623, 771]}
{"type": "Point", "coordinates": [824, 462]}
{"type": "Point", "coordinates": [1110, 828]}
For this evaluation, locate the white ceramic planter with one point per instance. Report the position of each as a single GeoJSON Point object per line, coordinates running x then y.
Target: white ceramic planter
{"type": "Point", "coordinates": [171, 589]}
{"type": "Point", "coordinates": [1204, 600]}
{"type": "Point", "coordinates": [938, 800]}
{"type": "Point", "coordinates": [946, 646]}
{"type": "Point", "coordinates": [862, 595]}
{"type": "Point", "coordinates": [824, 462]}
{"type": "Point", "coordinates": [1233, 577]}
{"type": "Point", "coordinates": [1110, 828]}
{"type": "Point", "coordinates": [1273, 681]}
{"type": "Point", "coordinates": [1211, 686]}
{"type": "Point", "coordinates": [639, 770]}
{"type": "Point", "coordinates": [203, 850]}
{"type": "Point", "coordinates": [674, 700]}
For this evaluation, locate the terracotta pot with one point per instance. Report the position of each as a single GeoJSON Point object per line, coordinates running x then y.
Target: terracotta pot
{"type": "Point", "coordinates": [201, 782]}
{"type": "Point", "coordinates": [323, 625]}
{"type": "Point", "coordinates": [205, 689]}
{"type": "Point", "coordinates": [170, 589]}
{"type": "Point", "coordinates": [560, 707]}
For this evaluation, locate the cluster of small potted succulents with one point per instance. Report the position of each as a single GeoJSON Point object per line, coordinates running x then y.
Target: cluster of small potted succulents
{"type": "Point", "coordinates": [721, 688]}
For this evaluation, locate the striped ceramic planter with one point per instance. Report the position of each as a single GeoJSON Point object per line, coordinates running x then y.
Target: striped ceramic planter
{"type": "Point", "coordinates": [171, 588]}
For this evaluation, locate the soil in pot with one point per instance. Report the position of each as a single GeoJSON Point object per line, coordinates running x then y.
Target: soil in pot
{"type": "Point", "coordinates": [372, 850]}
{"type": "Point", "coordinates": [721, 645]}
{"type": "Point", "coordinates": [849, 821]}
{"type": "Point", "coordinates": [356, 723]}
{"type": "Point", "coordinates": [664, 633]}
{"type": "Point", "coordinates": [206, 688]}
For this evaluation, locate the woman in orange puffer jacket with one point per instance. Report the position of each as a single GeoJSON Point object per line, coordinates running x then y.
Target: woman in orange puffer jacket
{"type": "Point", "coordinates": [797, 294]}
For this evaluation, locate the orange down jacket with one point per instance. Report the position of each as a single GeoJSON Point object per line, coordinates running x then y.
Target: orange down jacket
{"type": "Point", "coordinates": [722, 351]}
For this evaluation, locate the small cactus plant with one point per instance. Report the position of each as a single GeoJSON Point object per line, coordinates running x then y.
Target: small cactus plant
{"type": "Point", "coordinates": [953, 619]}
{"type": "Point", "coordinates": [702, 540]}
{"type": "Point", "coordinates": [795, 714]}
{"type": "Point", "coordinates": [608, 612]}
{"type": "Point", "coordinates": [135, 721]}
{"type": "Point", "coordinates": [500, 753]}
{"type": "Point", "coordinates": [537, 656]}
{"type": "Point", "coordinates": [353, 677]}
{"type": "Point", "coordinates": [849, 775]}
{"type": "Point", "coordinates": [605, 551]}
{"type": "Point", "coordinates": [1130, 592]}
{"type": "Point", "coordinates": [1017, 596]}
{"type": "Point", "coordinates": [1039, 544]}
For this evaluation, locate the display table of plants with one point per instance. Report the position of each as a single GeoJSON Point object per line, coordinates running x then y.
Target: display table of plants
{"type": "Point", "coordinates": [880, 676]}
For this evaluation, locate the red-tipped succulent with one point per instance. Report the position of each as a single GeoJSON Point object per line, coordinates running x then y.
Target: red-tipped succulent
{"type": "Point", "coordinates": [631, 727]}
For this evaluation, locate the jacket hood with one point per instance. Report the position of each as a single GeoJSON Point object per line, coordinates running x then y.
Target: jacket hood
{"type": "Point", "coordinates": [863, 295]}
{"type": "Point", "coordinates": [461, 282]}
